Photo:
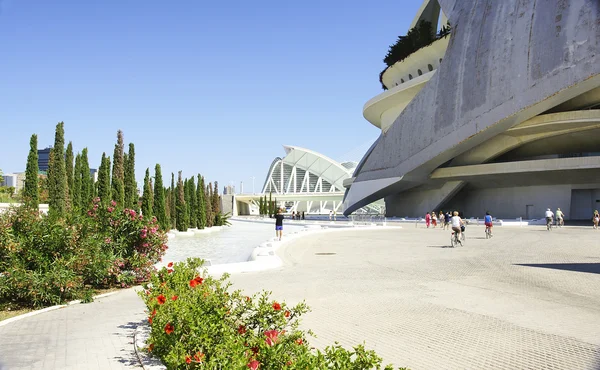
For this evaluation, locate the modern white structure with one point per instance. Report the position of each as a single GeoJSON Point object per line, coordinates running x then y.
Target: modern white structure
{"type": "Point", "coordinates": [501, 115]}
{"type": "Point", "coordinates": [304, 172]}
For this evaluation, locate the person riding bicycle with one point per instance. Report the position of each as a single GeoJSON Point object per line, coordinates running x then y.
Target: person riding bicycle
{"type": "Point", "coordinates": [549, 216]}
{"type": "Point", "coordinates": [488, 222]}
{"type": "Point", "coordinates": [559, 217]}
{"type": "Point", "coordinates": [457, 222]}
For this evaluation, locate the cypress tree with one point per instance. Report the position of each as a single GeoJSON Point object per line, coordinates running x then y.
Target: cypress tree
{"type": "Point", "coordinates": [159, 209]}
{"type": "Point", "coordinates": [270, 205]}
{"type": "Point", "coordinates": [216, 204]}
{"type": "Point", "coordinates": [208, 202]}
{"type": "Point", "coordinates": [193, 207]}
{"type": "Point", "coordinates": [86, 181]}
{"type": "Point", "coordinates": [104, 179]}
{"type": "Point", "coordinates": [117, 186]}
{"type": "Point", "coordinates": [260, 206]}
{"type": "Point", "coordinates": [69, 172]}
{"type": "Point", "coordinates": [147, 196]}
{"type": "Point", "coordinates": [181, 208]}
{"type": "Point", "coordinates": [172, 206]}
{"type": "Point", "coordinates": [57, 177]}
{"type": "Point", "coordinates": [168, 207]}
{"type": "Point", "coordinates": [77, 182]}
{"type": "Point", "coordinates": [186, 197]}
{"type": "Point", "coordinates": [200, 204]}
{"type": "Point", "coordinates": [30, 192]}
{"type": "Point", "coordinates": [131, 196]}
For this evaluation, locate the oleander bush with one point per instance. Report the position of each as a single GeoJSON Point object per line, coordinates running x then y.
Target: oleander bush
{"type": "Point", "coordinates": [198, 323]}
{"type": "Point", "coordinates": [47, 260]}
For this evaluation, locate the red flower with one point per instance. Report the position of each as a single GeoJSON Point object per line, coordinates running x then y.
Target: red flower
{"type": "Point", "coordinates": [242, 329]}
{"type": "Point", "coordinates": [247, 299]}
{"type": "Point", "coordinates": [169, 328]}
{"type": "Point", "coordinates": [276, 306]}
{"type": "Point", "coordinates": [199, 280]}
{"type": "Point", "coordinates": [299, 341]}
{"type": "Point", "coordinates": [287, 313]}
{"type": "Point", "coordinates": [193, 283]}
{"type": "Point", "coordinates": [170, 271]}
{"type": "Point", "coordinates": [161, 299]}
{"type": "Point", "coordinates": [174, 298]}
{"type": "Point", "coordinates": [254, 350]}
{"type": "Point", "coordinates": [170, 264]}
{"type": "Point", "coordinates": [188, 359]}
{"type": "Point", "coordinates": [150, 347]}
{"type": "Point", "coordinates": [150, 320]}
{"type": "Point", "coordinates": [253, 365]}
{"type": "Point", "coordinates": [289, 363]}
{"type": "Point", "coordinates": [153, 313]}
{"type": "Point", "coordinates": [271, 337]}
{"type": "Point", "coordinates": [199, 356]}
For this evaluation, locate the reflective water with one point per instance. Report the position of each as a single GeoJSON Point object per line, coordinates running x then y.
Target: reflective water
{"type": "Point", "coordinates": [231, 244]}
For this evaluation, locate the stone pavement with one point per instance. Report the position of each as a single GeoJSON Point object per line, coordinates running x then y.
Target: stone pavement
{"type": "Point", "coordinates": [517, 301]}
{"type": "Point", "coordinates": [97, 335]}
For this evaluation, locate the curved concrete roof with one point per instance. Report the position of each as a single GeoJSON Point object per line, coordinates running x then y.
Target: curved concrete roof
{"type": "Point", "coordinates": [317, 164]}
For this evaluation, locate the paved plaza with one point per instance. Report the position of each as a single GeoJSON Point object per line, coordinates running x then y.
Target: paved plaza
{"type": "Point", "coordinates": [516, 301]}
{"type": "Point", "coordinates": [525, 299]}
{"type": "Point", "coordinates": [93, 336]}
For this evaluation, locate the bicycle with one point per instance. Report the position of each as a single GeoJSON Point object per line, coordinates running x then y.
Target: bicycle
{"type": "Point", "coordinates": [455, 241]}
{"type": "Point", "coordinates": [488, 232]}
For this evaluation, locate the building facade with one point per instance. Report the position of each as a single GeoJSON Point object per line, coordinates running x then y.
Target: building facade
{"type": "Point", "coordinates": [502, 115]}
{"type": "Point", "coordinates": [44, 158]}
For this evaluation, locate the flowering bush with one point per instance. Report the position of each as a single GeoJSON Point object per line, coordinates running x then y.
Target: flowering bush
{"type": "Point", "coordinates": [46, 260]}
{"type": "Point", "coordinates": [197, 323]}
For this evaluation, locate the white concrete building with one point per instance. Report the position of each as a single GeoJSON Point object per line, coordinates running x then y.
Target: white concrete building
{"type": "Point", "coordinates": [501, 115]}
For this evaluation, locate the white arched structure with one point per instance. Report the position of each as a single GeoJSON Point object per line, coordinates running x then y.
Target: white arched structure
{"type": "Point", "coordinates": [306, 172]}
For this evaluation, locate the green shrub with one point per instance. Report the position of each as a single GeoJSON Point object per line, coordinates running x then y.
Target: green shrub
{"type": "Point", "coordinates": [47, 260]}
{"type": "Point", "coordinates": [196, 322]}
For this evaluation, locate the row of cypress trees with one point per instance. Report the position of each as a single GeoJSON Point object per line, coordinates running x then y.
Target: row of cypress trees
{"type": "Point", "coordinates": [267, 207]}
{"type": "Point", "coordinates": [71, 187]}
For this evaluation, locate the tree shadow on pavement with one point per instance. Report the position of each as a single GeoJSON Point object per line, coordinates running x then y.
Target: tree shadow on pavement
{"type": "Point", "coordinates": [439, 246]}
{"type": "Point", "coordinates": [591, 268]}
{"type": "Point", "coordinates": [127, 355]}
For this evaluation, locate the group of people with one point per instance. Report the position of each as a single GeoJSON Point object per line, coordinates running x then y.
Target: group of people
{"type": "Point", "coordinates": [560, 217]}
{"type": "Point", "coordinates": [297, 215]}
{"type": "Point", "coordinates": [431, 219]}
{"type": "Point", "coordinates": [454, 221]}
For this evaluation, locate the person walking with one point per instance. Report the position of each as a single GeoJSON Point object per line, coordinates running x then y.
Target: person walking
{"type": "Point", "coordinates": [433, 219]}
{"type": "Point", "coordinates": [596, 219]}
{"type": "Point", "coordinates": [427, 219]}
{"type": "Point", "coordinates": [279, 224]}
{"type": "Point", "coordinates": [447, 218]}
{"type": "Point", "coordinates": [442, 220]}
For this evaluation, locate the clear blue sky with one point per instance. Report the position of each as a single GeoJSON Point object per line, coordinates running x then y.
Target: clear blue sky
{"type": "Point", "coordinates": [205, 87]}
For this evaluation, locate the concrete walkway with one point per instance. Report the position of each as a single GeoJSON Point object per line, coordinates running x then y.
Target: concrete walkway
{"type": "Point", "coordinates": [424, 306]}
{"type": "Point", "coordinates": [520, 300]}
{"type": "Point", "coordinates": [97, 335]}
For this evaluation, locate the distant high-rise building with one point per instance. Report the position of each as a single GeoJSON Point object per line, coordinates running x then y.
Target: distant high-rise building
{"type": "Point", "coordinates": [44, 158]}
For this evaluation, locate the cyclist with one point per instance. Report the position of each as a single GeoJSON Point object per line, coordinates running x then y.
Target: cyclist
{"type": "Point", "coordinates": [457, 222]}
{"type": "Point", "coordinates": [549, 217]}
{"type": "Point", "coordinates": [560, 216]}
{"type": "Point", "coordinates": [488, 222]}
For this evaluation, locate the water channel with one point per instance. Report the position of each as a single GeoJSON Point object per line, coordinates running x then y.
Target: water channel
{"type": "Point", "coordinates": [230, 244]}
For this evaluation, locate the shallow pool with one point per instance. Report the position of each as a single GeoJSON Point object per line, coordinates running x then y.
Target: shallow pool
{"type": "Point", "coordinates": [231, 244]}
